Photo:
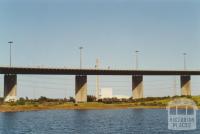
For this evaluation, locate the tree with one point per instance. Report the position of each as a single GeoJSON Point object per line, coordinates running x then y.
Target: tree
{"type": "Point", "coordinates": [91, 98]}
{"type": "Point", "coordinates": [71, 99]}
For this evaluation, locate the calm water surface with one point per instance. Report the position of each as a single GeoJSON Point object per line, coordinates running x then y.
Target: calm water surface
{"type": "Point", "coordinates": [131, 121]}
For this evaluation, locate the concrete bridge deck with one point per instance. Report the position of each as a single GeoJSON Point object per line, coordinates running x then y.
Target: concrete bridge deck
{"type": "Point", "coordinates": [67, 71]}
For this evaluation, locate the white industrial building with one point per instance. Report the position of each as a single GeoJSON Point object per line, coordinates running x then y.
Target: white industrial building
{"type": "Point", "coordinates": [121, 96]}
{"type": "Point", "coordinates": [106, 93]}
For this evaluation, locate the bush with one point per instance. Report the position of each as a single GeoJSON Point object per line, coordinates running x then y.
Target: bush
{"type": "Point", "coordinates": [143, 104]}
{"type": "Point", "coordinates": [35, 105]}
{"type": "Point", "coordinates": [111, 100]}
{"type": "Point", "coordinates": [147, 99]}
{"type": "Point", "coordinates": [100, 100]}
{"type": "Point", "coordinates": [12, 103]}
{"type": "Point", "coordinates": [124, 100]}
{"type": "Point", "coordinates": [71, 99]}
{"type": "Point", "coordinates": [42, 99]}
{"type": "Point", "coordinates": [1, 101]}
{"type": "Point", "coordinates": [187, 96]}
{"type": "Point", "coordinates": [91, 98]}
{"type": "Point", "coordinates": [21, 101]}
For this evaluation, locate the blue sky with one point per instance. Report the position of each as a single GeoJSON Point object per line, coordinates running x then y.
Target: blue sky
{"type": "Point", "coordinates": [48, 33]}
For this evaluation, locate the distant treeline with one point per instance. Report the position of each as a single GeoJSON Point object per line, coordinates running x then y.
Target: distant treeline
{"type": "Point", "coordinates": [153, 101]}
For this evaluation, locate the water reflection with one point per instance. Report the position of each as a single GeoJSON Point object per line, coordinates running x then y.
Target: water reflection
{"type": "Point", "coordinates": [80, 120]}
{"type": "Point", "coordinates": [8, 121]}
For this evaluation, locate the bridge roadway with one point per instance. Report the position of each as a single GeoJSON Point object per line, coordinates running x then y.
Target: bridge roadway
{"type": "Point", "coordinates": [68, 71]}
{"type": "Point", "coordinates": [10, 79]}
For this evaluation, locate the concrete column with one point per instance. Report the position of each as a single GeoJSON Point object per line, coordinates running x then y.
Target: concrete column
{"type": "Point", "coordinates": [137, 86]}
{"type": "Point", "coordinates": [10, 87]}
{"type": "Point", "coordinates": [81, 88]}
{"type": "Point", "coordinates": [185, 85]}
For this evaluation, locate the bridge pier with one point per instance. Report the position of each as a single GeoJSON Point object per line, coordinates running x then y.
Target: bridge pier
{"type": "Point", "coordinates": [81, 88]}
{"type": "Point", "coordinates": [185, 85]}
{"type": "Point", "coordinates": [137, 86]}
{"type": "Point", "coordinates": [10, 87]}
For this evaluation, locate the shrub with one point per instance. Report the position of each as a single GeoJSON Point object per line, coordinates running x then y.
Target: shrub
{"type": "Point", "coordinates": [143, 104]}
{"type": "Point", "coordinates": [42, 99]}
{"type": "Point", "coordinates": [71, 99]}
{"type": "Point", "coordinates": [21, 101]}
{"type": "Point", "coordinates": [91, 98]}
{"type": "Point", "coordinates": [1, 100]}
{"type": "Point", "coordinates": [111, 100]}
{"type": "Point", "coordinates": [100, 100]}
{"type": "Point", "coordinates": [35, 105]}
{"type": "Point", "coordinates": [12, 103]}
{"type": "Point", "coordinates": [124, 100]}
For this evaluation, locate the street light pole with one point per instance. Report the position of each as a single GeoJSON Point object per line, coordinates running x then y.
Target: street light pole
{"type": "Point", "coordinates": [10, 42]}
{"type": "Point", "coordinates": [136, 59]}
{"type": "Point", "coordinates": [97, 80]}
{"type": "Point", "coordinates": [184, 60]}
{"type": "Point", "coordinates": [80, 57]}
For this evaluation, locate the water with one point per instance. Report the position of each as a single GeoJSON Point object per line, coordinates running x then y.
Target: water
{"type": "Point", "coordinates": [131, 121]}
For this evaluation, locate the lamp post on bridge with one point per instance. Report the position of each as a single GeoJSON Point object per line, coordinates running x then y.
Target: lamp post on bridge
{"type": "Point", "coordinates": [97, 80]}
{"type": "Point", "coordinates": [80, 57]}
{"type": "Point", "coordinates": [10, 42]}
{"type": "Point", "coordinates": [184, 60]}
{"type": "Point", "coordinates": [136, 59]}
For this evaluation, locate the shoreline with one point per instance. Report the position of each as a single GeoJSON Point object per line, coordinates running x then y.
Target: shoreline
{"type": "Point", "coordinates": [27, 108]}
{"type": "Point", "coordinates": [8, 109]}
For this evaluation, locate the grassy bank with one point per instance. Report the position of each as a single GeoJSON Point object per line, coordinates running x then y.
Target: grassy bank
{"type": "Point", "coordinates": [51, 104]}
{"type": "Point", "coordinates": [71, 106]}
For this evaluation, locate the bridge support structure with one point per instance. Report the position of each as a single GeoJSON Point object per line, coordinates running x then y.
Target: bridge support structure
{"type": "Point", "coordinates": [10, 87]}
{"type": "Point", "coordinates": [185, 85]}
{"type": "Point", "coordinates": [137, 86]}
{"type": "Point", "coordinates": [81, 88]}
